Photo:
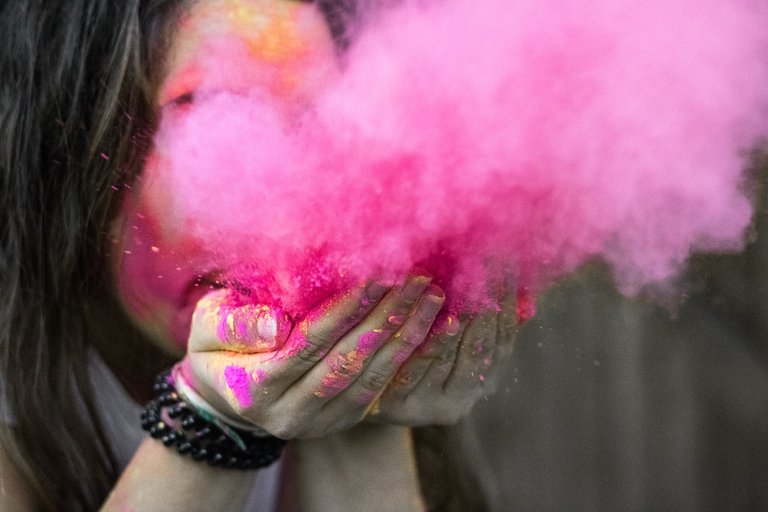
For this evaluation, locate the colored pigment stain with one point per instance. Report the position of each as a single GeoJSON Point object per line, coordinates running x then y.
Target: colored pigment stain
{"type": "Point", "coordinates": [239, 46]}
{"type": "Point", "coordinates": [296, 342]}
{"type": "Point", "coordinates": [401, 356]}
{"type": "Point", "coordinates": [260, 376]}
{"type": "Point", "coordinates": [344, 369]}
{"type": "Point", "coordinates": [222, 331]}
{"type": "Point", "coordinates": [525, 305]}
{"type": "Point", "coordinates": [367, 397]}
{"type": "Point", "coordinates": [277, 43]}
{"type": "Point", "coordinates": [271, 40]}
{"type": "Point", "coordinates": [369, 342]}
{"type": "Point", "coordinates": [238, 382]}
{"type": "Point", "coordinates": [450, 326]}
{"type": "Point", "coordinates": [404, 378]}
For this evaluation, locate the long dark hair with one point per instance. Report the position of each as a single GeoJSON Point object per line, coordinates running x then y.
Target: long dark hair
{"type": "Point", "coordinates": [78, 80]}
{"type": "Point", "coordinates": [76, 117]}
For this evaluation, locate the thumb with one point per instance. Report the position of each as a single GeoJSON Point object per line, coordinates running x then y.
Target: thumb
{"type": "Point", "coordinates": [223, 320]}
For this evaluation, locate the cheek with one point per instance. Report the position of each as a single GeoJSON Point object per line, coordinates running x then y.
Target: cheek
{"type": "Point", "coordinates": [160, 272]}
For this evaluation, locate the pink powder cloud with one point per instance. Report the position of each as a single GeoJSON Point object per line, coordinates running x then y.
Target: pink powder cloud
{"type": "Point", "coordinates": [483, 139]}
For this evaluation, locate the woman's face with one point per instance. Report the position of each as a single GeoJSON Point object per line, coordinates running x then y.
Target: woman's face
{"type": "Point", "coordinates": [284, 52]}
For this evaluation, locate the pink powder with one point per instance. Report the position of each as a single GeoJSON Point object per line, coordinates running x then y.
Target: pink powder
{"type": "Point", "coordinates": [221, 330]}
{"type": "Point", "coordinates": [514, 139]}
{"type": "Point", "coordinates": [238, 382]}
{"type": "Point", "coordinates": [369, 342]}
{"type": "Point", "coordinates": [343, 370]}
{"type": "Point", "coordinates": [402, 355]}
{"type": "Point", "coordinates": [260, 376]}
{"type": "Point", "coordinates": [525, 305]}
{"type": "Point", "coordinates": [367, 397]}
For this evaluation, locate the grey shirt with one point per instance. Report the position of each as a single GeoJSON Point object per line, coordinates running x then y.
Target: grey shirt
{"type": "Point", "coordinates": [120, 417]}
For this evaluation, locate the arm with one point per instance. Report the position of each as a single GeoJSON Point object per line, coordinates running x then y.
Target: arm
{"type": "Point", "coordinates": [159, 479]}
{"type": "Point", "coordinates": [369, 464]}
{"type": "Point", "coordinates": [156, 479]}
{"type": "Point", "coordinates": [313, 388]}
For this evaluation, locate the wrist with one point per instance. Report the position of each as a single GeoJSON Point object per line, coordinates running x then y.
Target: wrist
{"type": "Point", "coordinates": [374, 459]}
{"type": "Point", "coordinates": [199, 431]}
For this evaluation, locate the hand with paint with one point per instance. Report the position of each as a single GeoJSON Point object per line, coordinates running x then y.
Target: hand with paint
{"type": "Point", "coordinates": [446, 376]}
{"type": "Point", "coordinates": [320, 376]}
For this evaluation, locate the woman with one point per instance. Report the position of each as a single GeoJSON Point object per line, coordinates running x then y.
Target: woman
{"type": "Point", "coordinates": [83, 83]}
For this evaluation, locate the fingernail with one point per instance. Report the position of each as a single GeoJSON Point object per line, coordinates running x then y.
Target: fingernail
{"type": "Point", "coordinates": [273, 325]}
{"type": "Point", "coordinates": [430, 306]}
{"type": "Point", "coordinates": [435, 291]}
{"type": "Point", "coordinates": [448, 326]}
{"type": "Point", "coordinates": [414, 287]}
{"type": "Point", "coordinates": [375, 291]}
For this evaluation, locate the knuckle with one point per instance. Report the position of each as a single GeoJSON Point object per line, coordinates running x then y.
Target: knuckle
{"type": "Point", "coordinates": [312, 345]}
{"type": "Point", "coordinates": [310, 354]}
{"type": "Point", "coordinates": [280, 431]}
{"type": "Point", "coordinates": [344, 366]}
{"type": "Point", "coordinates": [376, 377]}
{"type": "Point", "coordinates": [284, 429]}
{"type": "Point", "coordinates": [445, 358]}
{"type": "Point", "coordinates": [412, 340]}
{"type": "Point", "coordinates": [406, 378]}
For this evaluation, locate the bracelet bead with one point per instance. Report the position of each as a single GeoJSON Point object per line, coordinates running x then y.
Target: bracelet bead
{"type": "Point", "coordinates": [172, 421]}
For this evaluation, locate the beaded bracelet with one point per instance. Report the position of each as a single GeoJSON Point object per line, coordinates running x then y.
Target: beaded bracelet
{"type": "Point", "coordinates": [201, 406]}
{"type": "Point", "coordinates": [217, 444]}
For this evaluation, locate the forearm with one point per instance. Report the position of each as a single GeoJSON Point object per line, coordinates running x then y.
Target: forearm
{"type": "Point", "coordinates": [158, 478]}
{"type": "Point", "coordinates": [370, 467]}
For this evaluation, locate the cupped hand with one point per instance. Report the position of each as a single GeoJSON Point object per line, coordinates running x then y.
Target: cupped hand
{"type": "Point", "coordinates": [446, 376]}
{"type": "Point", "coordinates": [322, 374]}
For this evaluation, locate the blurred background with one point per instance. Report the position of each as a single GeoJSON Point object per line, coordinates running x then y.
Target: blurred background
{"type": "Point", "coordinates": [618, 404]}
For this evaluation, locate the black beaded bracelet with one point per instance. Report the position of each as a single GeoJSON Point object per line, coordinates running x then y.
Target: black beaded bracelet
{"type": "Point", "coordinates": [204, 440]}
